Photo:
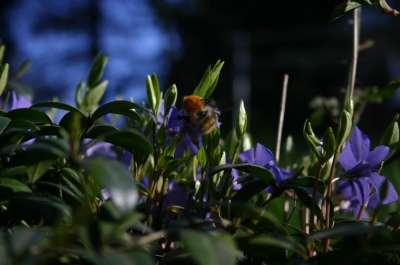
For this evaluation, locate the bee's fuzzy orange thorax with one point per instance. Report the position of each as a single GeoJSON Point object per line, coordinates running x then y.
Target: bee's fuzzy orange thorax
{"type": "Point", "coordinates": [192, 104]}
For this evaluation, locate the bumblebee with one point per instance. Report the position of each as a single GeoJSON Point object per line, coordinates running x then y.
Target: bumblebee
{"type": "Point", "coordinates": [200, 115]}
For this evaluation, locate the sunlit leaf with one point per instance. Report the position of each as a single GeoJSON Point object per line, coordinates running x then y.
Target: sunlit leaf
{"type": "Point", "coordinates": [116, 178]}
{"type": "Point", "coordinates": [199, 243]}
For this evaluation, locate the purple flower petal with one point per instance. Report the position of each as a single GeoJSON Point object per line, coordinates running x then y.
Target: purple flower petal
{"type": "Point", "coordinates": [262, 155]}
{"type": "Point", "coordinates": [347, 159]}
{"type": "Point", "coordinates": [362, 188]}
{"type": "Point", "coordinates": [247, 156]}
{"type": "Point", "coordinates": [359, 144]}
{"type": "Point", "coordinates": [376, 157]}
{"type": "Point", "coordinates": [377, 180]}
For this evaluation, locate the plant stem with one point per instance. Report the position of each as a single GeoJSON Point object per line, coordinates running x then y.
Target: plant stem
{"type": "Point", "coordinates": [353, 63]}
{"type": "Point", "coordinates": [281, 117]}
{"type": "Point", "coordinates": [314, 194]}
{"type": "Point", "coordinates": [328, 195]}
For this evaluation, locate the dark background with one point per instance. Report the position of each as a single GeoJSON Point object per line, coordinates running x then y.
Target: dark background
{"type": "Point", "coordinates": [258, 40]}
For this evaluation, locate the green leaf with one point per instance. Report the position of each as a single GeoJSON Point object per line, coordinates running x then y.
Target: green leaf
{"type": "Point", "coordinates": [390, 136]}
{"type": "Point", "coordinates": [51, 209]}
{"type": "Point", "coordinates": [23, 124]}
{"type": "Point", "coordinates": [58, 105]}
{"type": "Point", "coordinates": [93, 96]}
{"type": "Point", "coordinates": [208, 248]}
{"type": "Point", "coordinates": [9, 172]}
{"type": "Point", "coordinates": [329, 145]}
{"type": "Point", "coordinates": [201, 156]}
{"type": "Point", "coordinates": [80, 94]}
{"type": "Point", "coordinates": [161, 136]}
{"type": "Point", "coordinates": [172, 164]}
{"type": "Point", "coordinates": [3, 77]}
{"type": "Point", "coordinates": [214, 77]}
{"type": "Point", "coordinates": [260, 172]}
{"type": "Point", "coordinates": [28, 114]}
{"type": "Point", "coordinates": [116, 178]}
{"type": "Point", "coordinates": [4, 121]}
{"type": "Point", "coordinates": [241, 121]}
{"type": "Point", "coordinates": [2, 50]}
{"type": "Point", "coordinates": [346, 230]}
{"type": "Point", "coordinates": [170, 99]}
{"type": "Point", "coordinates": [73, 123]}
{"type": "Point", "coordinates": [312, 141]}
{"type": "Point", "coordinates": [132, 140]}
{"type": "Point", "coordinates": [209, 80]}
{"type": "Point", "coordinates": [119, 106]}
{"type": "Point", "coordinates": [152, 93]}
{"type": "Point", "coordinates": [249, 190]}
{"type": "Point", "coordinates": [344, 130]}
{"type": "Point", "coordinates": [70, 177]}
{"type": "Point", "coordinates": [42, 154]}
{"type": "Point", "coordinates": [271, 247]}
{"type": "Point", "coordinates": [347, 6]}
{"type": "Point", "coordinates": [14, 185]}
{"type": "Point", "coordinates": [97, 69]}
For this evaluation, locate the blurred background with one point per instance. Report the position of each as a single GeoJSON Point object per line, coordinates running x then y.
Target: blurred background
{"type": "Point", "coordinates": [258, 40]}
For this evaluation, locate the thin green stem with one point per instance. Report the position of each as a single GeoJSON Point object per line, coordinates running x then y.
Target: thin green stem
{"type": "Point", "coordinates": [328, 195]}
{"type": "Point", "coordinates": [353, 63]}
{"type": "Point", "coordinates": [314, 194]}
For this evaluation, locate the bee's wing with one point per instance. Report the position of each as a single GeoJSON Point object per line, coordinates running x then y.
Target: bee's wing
{"type": "Point", "coordinates": [224, 105]}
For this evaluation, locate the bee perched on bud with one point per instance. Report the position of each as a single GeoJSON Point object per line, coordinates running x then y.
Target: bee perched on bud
{"type": "Point", "coordinates": [200, 115]}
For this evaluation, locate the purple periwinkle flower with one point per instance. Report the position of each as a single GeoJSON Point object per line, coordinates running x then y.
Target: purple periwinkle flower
{"type": "Point", "coordinates": [262, 156]}
{"type": "Point", "coordinates": [16, 102]}
{"type": "Point", "coordinates": [362, 165]}
{"type": "Point", "coordinates": [351, 202]}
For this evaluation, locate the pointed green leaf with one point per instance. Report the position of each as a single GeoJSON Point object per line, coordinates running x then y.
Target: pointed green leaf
{"type": "Point", "coordinates": [14, 185]}
{"type": "Point", "coordinates": [153, 91]}
{"type": "Point", "coordinates": [9, 172]}
{"type": "Point", "coordinates": [241, 121]}
{"type": "Point", "coordinates": [97, 69]}
{"type": "Point", "coordinates": [3, 77]}
{"type": "Point", "coordinates": [132, 140]}
{"type": "Point", "coordinates": [170, 99]}
{"type": "Point", "coordinates": [329, 145]}
{"type": "Point", "coordinates": [4, 121]}
{"type": "Point", "coordinates": [42, 154]}
{"type": "Point", "coordinates": [344, 130]}
{"type": "Point", "coordinates": [201, 156]}
{"type": "Point", "coordinates": [58, 105]}
{"type": "Point", "coordinates": [209, 81]}
{"type": "Point", "coordinates": [93, 96]}
{"type": "Point", "coordinates": [347, 6]}
{"type": "Point", "coordinates": [80, 94]}
{"type": "Point", "coordinates": [208, 248]}
{"type": "Point", "coordinates": [118, 106]}
{"type": "Point", "coordinates": [390, 136]}
{"type": "Point", "coordinates": [29, 114]}
{"type": "Point", "coordinates": [2, 50]}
